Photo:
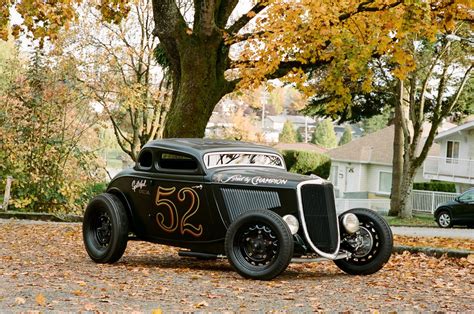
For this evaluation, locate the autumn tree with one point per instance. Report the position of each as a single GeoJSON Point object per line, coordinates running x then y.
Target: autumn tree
{"type": "Point", "coordinates": [428, 93]}
{"type": "Point", "coordinates": [322, 36]}
{"type": "Point", "coordinates": [346, 136]}
{"type": "Point", "coordinates": [47, 136]}
{"type": "Point", "coordinates": [288, 134]}
{"type": "Point", "coordinates": [121, 75]}
{"type": "Point", "coordinates": [243, 127]}
{"type": "Point", "coordinates": [324, 135]}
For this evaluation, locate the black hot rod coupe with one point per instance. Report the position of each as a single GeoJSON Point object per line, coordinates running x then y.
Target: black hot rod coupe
{"type": "Point", "coordinates": [218, 198]}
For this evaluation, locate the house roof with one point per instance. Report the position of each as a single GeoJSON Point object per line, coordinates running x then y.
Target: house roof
{"type": "Point", "coordinates": [301, 146]}
{"type": "Point", "coordinates": [376, 148]}
{"type": "Point", "coordinates": [463, 127]}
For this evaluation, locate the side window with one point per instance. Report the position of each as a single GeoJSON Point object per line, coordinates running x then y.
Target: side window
{"type": "Point", "coordinates": [452, 152]}
{"type": "Point", "coordinates": [177, 161]}
{"type": "Point", "coordinates": [385, 181]}
{"type": "Point", "coordinates": [467, 197]}
{"type": "Point", "coordinates": [145, 160]}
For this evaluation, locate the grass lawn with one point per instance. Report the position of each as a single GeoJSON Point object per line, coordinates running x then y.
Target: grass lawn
{"type": "Point", "coordinates": [426, 220]}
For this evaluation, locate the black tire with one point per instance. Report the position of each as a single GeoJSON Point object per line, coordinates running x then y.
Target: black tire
{"type": "Point", "coordinates": [444, 219]}
{"type": "Point", "coordinates": [105, 228]}
{"type": "Point", "coordinates": [259, 245]}
{"type": "Point", "coordinates": [371, 258]}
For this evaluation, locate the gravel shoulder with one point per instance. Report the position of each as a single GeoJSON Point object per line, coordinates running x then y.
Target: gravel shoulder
{"type": "Point", "coordinates": [44, 267]}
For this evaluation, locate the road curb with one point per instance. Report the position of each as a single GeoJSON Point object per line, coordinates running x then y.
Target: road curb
{"type": "Point", "coordinates": [432, 251]}
{"type": "Point", "coordinates": [40, 216]}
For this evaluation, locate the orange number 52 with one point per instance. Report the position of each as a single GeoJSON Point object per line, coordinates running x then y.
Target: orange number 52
{"type": "Point", "coordinates": [165, 204]}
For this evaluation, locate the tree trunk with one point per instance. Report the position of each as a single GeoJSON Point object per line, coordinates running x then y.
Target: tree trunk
{"type": "Point", "coordinates": [194, 99]}
{"type": "Point", "coordinates": [406, 209]}
{"type": "Point", "coordinates": [397, 161]}
{"type": "Point", "coordinates": [198, 85]}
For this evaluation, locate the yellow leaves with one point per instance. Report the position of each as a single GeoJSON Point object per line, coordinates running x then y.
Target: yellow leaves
{"type": "Point", "coordinates": [40, 299]}
{"type": "Point", "coordinates": [251, 14]}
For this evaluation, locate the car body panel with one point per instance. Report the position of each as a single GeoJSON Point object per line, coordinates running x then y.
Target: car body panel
{"type": "Point", "coordinates": [192, 208]}
{"type": "Point", "coordinates": [461, 209]}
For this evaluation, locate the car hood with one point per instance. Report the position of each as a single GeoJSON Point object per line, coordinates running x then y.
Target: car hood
{"type": "Point", "coordinates": [266, 177]}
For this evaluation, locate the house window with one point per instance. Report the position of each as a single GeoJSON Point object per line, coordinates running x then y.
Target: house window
{"type": "Point", "coordinates": [452, 152]}
{"type": "Point", "coordinates": [385, 182]}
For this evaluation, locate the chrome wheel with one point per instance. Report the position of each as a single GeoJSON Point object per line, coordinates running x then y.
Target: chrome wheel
{"type": "Point", "coordinates": [444, 220]}
{"type": "Point", "coordinates": [364, 243]}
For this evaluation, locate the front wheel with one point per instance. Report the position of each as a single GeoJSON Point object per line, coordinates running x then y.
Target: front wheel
{"type": "Point", "coordinates": [444, 219]}
{"type": "Point", "coordinates": [370, 247]}
{"type": "Point", "coordinates": [259, 244]}
{"type": "Point", "coordinates": [105, 228]}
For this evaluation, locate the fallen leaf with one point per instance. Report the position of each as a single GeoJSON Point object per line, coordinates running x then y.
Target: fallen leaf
{"type": "Point", "coordinates": [20, 301]}
{"type": "Point", "coordinates": [202, 304]}
{"type": "Point", "coordinates": [156, 311]}
{"type": "Point", "coordinates": [470, 258]}
{"type": "Point", "coordinates": [40, 299]}
{"type": "Point", "coordinates": [89, 306]}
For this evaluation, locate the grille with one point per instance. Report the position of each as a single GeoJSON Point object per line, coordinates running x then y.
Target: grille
{"type": "Point", "coordinates": [239, 201]}
{"type": "Point", "coordinates": [320, 215]}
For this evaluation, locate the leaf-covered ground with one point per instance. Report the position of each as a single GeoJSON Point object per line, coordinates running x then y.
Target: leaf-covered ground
{"type": "Point", "coordinates": [44, 267]}
{"type": "Point", "coordinates": [437, 242]}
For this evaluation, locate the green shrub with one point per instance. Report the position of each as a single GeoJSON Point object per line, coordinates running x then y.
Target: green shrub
{"type": "Point", "coordinates": [89, 192]}
{"type": "Point", "coordinates": [439, 186]}
{"type": "Point", "coordinates": [305, 162]}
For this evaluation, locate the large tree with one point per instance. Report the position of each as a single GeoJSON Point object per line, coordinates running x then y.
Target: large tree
{"type": "Point", "coordinates": [278, 38]}
{"type": "Point", "coordinates": [423, 82]}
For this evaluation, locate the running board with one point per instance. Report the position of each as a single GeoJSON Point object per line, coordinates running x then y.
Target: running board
{"type": "Point", "coordinates": [205, 256]}
{"type": "Point", "coordinates": [309, 259]}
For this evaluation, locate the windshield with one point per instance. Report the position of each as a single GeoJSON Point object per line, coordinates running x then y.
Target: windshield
{"type": "Point", "coordinates": [225, 159]}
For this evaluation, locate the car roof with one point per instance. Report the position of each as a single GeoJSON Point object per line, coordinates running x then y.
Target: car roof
{"type": "Point", "coordinates": [201, 146]}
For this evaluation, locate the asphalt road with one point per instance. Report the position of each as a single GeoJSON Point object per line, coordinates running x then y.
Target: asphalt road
{"type": "Point", "coordinates": [463, 233]}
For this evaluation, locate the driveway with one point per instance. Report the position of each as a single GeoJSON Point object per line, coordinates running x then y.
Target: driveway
{"type": "Point", "coordinates": [44, 268]}
{"type": "Point", "coordinates": [463, 233]}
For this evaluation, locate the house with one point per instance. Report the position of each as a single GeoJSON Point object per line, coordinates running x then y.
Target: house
{"type": "Point", "coordinates": [455, 161]}
{"type": "Point", "coordinates": [362, 168]}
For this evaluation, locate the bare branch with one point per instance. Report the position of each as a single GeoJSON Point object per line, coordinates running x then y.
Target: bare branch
{"type": "Point", "coordinates": [246, 18]}
{"type": "Point", "coordinates": [225, 10]}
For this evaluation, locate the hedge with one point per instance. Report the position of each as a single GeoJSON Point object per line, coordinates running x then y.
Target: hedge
{"type": "Point", "coordinates": [435, 186]}
{"type": "Point", "coordinates": [306, 162]}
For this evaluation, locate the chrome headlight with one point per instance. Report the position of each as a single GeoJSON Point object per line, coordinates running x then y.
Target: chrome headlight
{"type": "Point", "coordinates": [292, 223]}
{"type": "Point", "coordinates": [350, 223]}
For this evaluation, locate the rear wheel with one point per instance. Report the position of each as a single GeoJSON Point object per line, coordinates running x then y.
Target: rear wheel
{"type": "Point", "coordinates": [444, 219]}
{"type": "Point", "coordinates": [105, 228]}
{"type": "Point", "coordinates": [259, 244]}
{"type": "Point", "coordinates": [370, 247]}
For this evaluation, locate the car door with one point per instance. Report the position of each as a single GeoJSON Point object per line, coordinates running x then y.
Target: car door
{"type": "Point", "coordinates": [180, 211]}
{"type": "Point", "coordinates": [465, 209]}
